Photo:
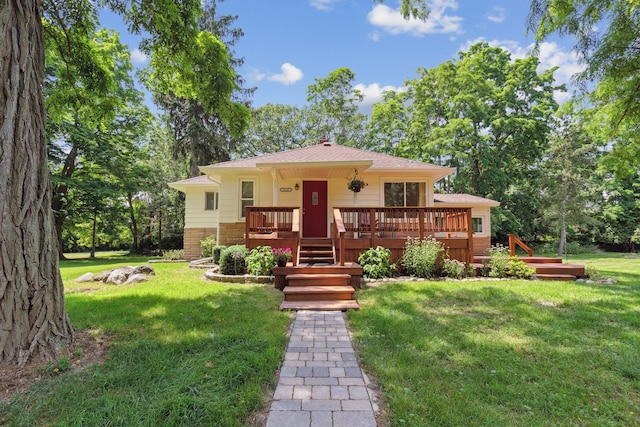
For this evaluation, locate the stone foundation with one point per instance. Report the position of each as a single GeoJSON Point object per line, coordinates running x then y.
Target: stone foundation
{"type": "Point", "coordinates": [192, 237]}
{"type": "Point", "coordinates": [231, 233]}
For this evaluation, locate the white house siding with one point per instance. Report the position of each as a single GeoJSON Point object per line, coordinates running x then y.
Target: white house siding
{"type": "Point", "coordinates": [195, 214]}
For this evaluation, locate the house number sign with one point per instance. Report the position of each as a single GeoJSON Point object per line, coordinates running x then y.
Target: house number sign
{"type": "Point", "coordinates": [314, 198]}
{"type": "Point", "coordinates": [285, 190]}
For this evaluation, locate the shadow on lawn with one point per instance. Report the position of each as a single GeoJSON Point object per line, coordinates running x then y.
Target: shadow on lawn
{"type": "Point", "coordinates": [196, 361]}
{"type": "Point", "coordinates": [482, 353]}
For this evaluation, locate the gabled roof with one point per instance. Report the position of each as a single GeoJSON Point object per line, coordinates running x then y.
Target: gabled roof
{"type": "Point", "coordinates": [202, 180]}
{"type": "Point", "coordinates": [329, 156]}
{"type": "Point", "coordinates": [463, 200]}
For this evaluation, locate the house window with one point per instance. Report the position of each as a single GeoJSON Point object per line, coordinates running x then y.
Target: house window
{"type": "Point", "coordinates": [405, 194]}
{"type": "Point", "coordinates": [476, 224]}
{"type": "Point", "coordinates": [247, 196]}
{"type": "Point", "coordinates": [211, 201]}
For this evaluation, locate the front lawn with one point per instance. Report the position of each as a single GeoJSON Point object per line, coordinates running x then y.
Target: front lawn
{"type": "Point", "coordinates": [183, 351]}
{"type": "Point", "coordinates": [506, 352]}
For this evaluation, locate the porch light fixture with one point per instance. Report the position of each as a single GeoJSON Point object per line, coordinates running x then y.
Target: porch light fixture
{"type": "Point", "coordinates": [297, 186]}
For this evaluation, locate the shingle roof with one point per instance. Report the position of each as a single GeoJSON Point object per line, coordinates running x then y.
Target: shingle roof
{"type": "Point", "coordinates": [330, 153]}
{"type": "Point", "coordinates": [466, 199]}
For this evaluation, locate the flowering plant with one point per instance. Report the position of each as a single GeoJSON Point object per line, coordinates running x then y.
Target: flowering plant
{"type": "Point", "coordinates": [282, 253]}
{"type": "Point", "coordinates": [356, 184]}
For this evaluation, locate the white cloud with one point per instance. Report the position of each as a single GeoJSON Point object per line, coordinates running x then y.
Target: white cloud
{"type": "Point", "coordinates": [256, 75]}
{"type": "Point", "coordinates": [138, 56]}
{"type": "Point", "coordinates": [439, 22]}
{"type": "Point", "coordinates": [373, 93]}
{"type": "Point", "coordinates": [550, 55]}
{"type": "Point", "coordinates": [324, 5]}
{"type": "Point", "coordinates": [498, 14]}
{"type": "Point", "coordinates": [290, 75]}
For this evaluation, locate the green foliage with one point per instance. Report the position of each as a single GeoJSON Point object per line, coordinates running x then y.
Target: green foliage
{"type": "Point", "coordinates": [215, 253]}
{"type": "Point", "coordinates": [173, 254]}
{"type": "Point", "coordinates": [260, 261]}
{"type": "Point", "coordinates": [497, 264]}
{"type": "Point", "coordinates": [232, 260]}
{"type": "Point", "coordinates": [206, 246]}
{"type": "Point", "coordinates": [421, 258]}
{"type": "Point", "coordinates": [454, 269]}
{"type": "Point", "coordinates": [376, 263]}
{"type": "Point", "coordinates": [519, 269]}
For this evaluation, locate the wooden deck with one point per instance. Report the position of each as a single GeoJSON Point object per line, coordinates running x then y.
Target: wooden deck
{"type": "Point", "coordinates": [546, 268]}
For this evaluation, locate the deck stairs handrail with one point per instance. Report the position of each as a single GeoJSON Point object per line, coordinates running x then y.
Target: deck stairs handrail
{"type": "Point", "coordinates": [338, 234]}
{"type": "Point", "coordinates": [515, 241]}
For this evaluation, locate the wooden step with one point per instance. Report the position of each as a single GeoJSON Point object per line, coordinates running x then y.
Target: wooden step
{"type": "Point", "coordinates": [320, 305]}
{"type": "Point", "coordinates": [527, 259]}
{"type": "Point", "coordinates": [567, 277]}
{"type": "Point", "coordinates": [318, 293]}
{"type": "Point", "coordinates": [317, 279]}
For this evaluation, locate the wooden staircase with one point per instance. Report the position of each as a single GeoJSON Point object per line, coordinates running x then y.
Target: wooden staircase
{"type": "Point", "coordinates": [317, 283]}
{"type": "Point", "coordinates": [316, 251]}
{"type": "Point", "coordinates": [546, 268]}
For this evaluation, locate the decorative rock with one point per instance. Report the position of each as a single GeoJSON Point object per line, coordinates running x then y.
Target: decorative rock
{"type": "Point", "coordinates": [102, 276]}
{"type": "Point", "coordinates": [119, 275]}
{"type": "Point", "coordinates": [144, 269]}
{"type": "Point", "coordinates": [86, 277]}
{"type": "Point", "coordinates": [137, 278]}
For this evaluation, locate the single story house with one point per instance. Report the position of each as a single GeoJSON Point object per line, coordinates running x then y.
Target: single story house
{"type": "Point", "coordinates": [284, 199]}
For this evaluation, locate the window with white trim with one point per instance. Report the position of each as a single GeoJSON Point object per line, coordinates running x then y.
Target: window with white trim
{"type": "Point", "coordinates": [247, 196]}
{"type": "Point", "coordinates": [405, 194]}
{"type": "Point", "coordinates": [477, 224]}
{"type": "Point", "coordinates": [211, 201]}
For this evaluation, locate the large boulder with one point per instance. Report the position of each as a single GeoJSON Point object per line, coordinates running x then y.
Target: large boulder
{"type": "Point", "coordinates": [144, 269]}
{"type": "Point", "coordinates": [102, 276]}
{"type": "Point", "coordinates": [86, 277]}
{"type": "Point", "coordinates": [137, 278]}
{"type": "Point", "coordinates": [119, 275]}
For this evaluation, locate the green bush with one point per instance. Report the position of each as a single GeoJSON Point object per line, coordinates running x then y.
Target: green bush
{"type": "Point", "coordinates": [520, 269]}
{"type": "Point", "coordinates": [173, 254]}
{"type": "Point", "coordinates": [421, 258]}
{"type": "Point", "coordinates": [206, 246]}
{"type": "Point", "coordinates": [232, 260]}
{"type": "Point", "coordinates": [215, 253]}
{"type": "Point", "coordinates": [454, 269]}
{"type": "Point", "coordinates": [260, 261]}
{"type": "Point", "coordinates": [496, 265]}
{"type": "Point", "coordinates": [376, 263]}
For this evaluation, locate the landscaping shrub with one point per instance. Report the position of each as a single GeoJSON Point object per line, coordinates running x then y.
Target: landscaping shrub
{"type": "Point", "coordinates": [454, 269]}
{"type": "Point", "coordinates": [215, 253]}
{"type": "Point", "coordinates": [376, 263]}
{"type": "Point", "coordinates": [173, 254]}
{"type": "Point", "coordinates": [206, 246]}
{"type": "Point", "coordinates": [520, 269]}
{"type": "Point", "coordinates": [232, 260]}
{"type": "Point", "coordinates": [421, 258]}
{"type": "Point", "coordinates": [260, 261]}
{"type": "Point", "coordinates": [496, 265]}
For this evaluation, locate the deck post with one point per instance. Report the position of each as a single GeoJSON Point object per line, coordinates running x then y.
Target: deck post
{"type": "Point", "coordinates": [421, 223]}
{"type": "Point", "coordinates": [469, 237]}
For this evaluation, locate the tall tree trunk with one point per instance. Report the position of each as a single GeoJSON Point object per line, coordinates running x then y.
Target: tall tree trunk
{"type": "Point", "coordinates": [93, 234]}
{"type": "Point", "coordinates": [160, 232]}
{"type": "Point", "coordinates": [563, 232]}
{"type": "Point", "coordinates": [58, 202]}
{"type": "Point", "coordinates": [33, 320]}
{"type": "Point", "coordinates": [134, 224]}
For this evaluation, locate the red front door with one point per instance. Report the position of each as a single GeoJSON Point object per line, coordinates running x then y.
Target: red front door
{"type": "Point", "coordinates": [314, 208]}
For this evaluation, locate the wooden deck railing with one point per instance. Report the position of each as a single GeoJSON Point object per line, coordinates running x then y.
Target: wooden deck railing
{"type": "Point", "coordinates": [513, 241]}
{"type": "Point", "coordinates": [266, 225]}
{"type": "Point", "coordinates": [338, 234]}
{"type": "Point", "coordinates": [406, 221]}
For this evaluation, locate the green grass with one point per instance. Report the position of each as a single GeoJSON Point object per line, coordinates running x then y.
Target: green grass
{"type": "Point", "coordinates": [183, 351]}
{"type": "Point", "coordinates": [498, 353]}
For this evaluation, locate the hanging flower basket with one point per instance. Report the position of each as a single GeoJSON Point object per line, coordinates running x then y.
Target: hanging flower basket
{"type": "Point", "coordinates": [356, 184]}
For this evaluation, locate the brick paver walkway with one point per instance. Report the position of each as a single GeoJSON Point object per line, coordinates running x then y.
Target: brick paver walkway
{"type": "Point", "coordinates": [320, 381]}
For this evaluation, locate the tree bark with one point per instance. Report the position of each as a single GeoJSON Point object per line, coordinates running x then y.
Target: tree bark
{"type": "Point", "coordinates": [33, 319]}
{"type": "Point", "coordinates": [134, 224]}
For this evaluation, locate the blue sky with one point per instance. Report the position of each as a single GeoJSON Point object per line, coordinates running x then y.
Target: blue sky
{"type": "Point", "coordinates": [288, 44]}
